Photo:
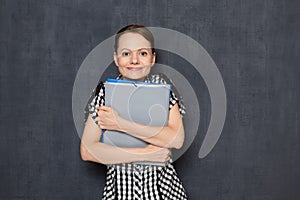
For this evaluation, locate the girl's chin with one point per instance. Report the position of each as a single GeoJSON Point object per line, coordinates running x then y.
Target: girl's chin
{"type": "Point", "coordinates": [134, 78]}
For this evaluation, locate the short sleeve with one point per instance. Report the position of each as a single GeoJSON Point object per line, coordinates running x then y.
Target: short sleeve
{"type": "Point", "coordinates": [161, 79]}
{"type": "Point", "coordinates": [174, 100]}
{"type": "Point", "coordinates": [96, 99]}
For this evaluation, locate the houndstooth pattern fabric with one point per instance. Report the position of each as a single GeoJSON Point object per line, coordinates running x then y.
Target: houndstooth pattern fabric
{"type": "Point", "coordinates": [133, 181]}
{"type": "Point", "coordinates": [141, 182]}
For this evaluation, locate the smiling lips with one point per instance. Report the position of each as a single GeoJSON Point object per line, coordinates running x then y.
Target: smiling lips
{"type": "Point", "coordinates": [134, 68]}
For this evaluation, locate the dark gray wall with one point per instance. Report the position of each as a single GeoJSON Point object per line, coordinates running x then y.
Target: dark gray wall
{"type": "Point", "coordinates": [255, 45]}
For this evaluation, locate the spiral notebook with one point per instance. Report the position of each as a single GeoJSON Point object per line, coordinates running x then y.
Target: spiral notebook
{"type": "Point", "coordinates": [140, 102]}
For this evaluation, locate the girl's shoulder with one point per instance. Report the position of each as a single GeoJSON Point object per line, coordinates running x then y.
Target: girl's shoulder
{"type": "Point", "coordinates": [99, 87]}
{"type": "Point", "coordinates": [157, 78]}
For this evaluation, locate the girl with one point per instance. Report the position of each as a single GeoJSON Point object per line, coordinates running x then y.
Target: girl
{"type": "Point", "coordinates": [134, 56]}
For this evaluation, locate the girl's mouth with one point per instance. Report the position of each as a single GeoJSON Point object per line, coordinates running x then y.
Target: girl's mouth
{"type": "Point", "coordinates": [134, 68]}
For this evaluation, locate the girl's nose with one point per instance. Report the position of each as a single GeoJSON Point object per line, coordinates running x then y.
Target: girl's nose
{"type": "Point", "coordinates": [134, 58]}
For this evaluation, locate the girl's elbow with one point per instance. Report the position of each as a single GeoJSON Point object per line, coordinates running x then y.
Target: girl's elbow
{"type": "Point", "coordinates": [85, 155]}
{"type": "Point", "coordinates": [175, 144]}
{"type": "Point", "coordinates": [178, 142]}
{"type": "Point", "coordinates": [178, 145]}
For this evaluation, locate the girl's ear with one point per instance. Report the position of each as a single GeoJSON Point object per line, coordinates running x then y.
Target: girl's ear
{"type": "Point", "coordinates": [116, 59]}
{"type": "Point", "coordinates": [153, 58]}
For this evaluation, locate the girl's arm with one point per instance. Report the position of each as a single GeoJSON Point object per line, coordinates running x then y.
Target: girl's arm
{"type": "Point", "coordinates": [93, 150]}
{"type": "Point", "coordinates": [171, 136]}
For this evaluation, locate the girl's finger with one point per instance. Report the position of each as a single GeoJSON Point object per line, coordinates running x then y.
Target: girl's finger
{"type": "Point", "coordinates": [104, 108]}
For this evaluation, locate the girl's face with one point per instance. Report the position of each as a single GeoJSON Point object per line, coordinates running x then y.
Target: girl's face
{"type": "Point", "coordinates": [134, 57]}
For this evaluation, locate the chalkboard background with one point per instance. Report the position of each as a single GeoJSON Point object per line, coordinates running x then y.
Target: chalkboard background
{"type": "Point", "coordinates": [255, 45]}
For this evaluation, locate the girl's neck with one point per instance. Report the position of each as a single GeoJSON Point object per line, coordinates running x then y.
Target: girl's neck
{"type": "Point", "coordinates": [140, 80]}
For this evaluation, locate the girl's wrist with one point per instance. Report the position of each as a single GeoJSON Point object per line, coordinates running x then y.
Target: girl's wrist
{"type": "Point", "coordinates": [123, 125]}
{"type": "Point", "coordinates": [140, 154]}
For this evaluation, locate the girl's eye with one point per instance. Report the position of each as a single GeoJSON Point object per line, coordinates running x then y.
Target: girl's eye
{"type": "Point", "coordinates": [125, 54]}
{"type": "Point", "coordinates": [144, 53]}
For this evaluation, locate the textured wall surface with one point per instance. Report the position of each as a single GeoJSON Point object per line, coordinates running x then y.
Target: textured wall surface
{"type": "Point", "coordinates": [255, 45]}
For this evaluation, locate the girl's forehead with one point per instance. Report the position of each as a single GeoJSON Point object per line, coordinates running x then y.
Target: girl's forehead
{"type": "Point", "coordinates": [133, 41]}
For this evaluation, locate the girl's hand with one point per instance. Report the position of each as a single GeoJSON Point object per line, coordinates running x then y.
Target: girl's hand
{"type": "Point", "coordinates": [108, 118]}
{"type": "Point", "coordinates": [157, 154]}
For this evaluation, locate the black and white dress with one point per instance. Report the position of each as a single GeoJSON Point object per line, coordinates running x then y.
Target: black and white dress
{"type": "Point", "coordinates": [132, 181]}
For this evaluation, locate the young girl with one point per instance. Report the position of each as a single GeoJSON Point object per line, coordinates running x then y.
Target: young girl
{"type": "Point", "coordinates": [134, 56]}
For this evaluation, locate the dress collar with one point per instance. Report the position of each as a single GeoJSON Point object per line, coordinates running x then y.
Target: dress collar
{"type": "Point", "coordinates": [147, 79]}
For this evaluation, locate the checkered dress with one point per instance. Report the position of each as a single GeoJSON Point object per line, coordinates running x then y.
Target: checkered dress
{"type": "Point", "coordinates": [132, 181]}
